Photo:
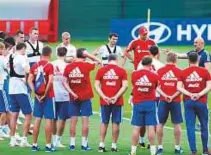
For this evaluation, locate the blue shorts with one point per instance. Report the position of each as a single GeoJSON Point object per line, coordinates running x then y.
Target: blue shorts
{"type": "Point", "coordinates": [112, 110]}
{"type": "Point", "coordinates": [62, 110]}
{"type": "Point", "coordinates": [20, 102]}
{"type": "Point", "coordinates": [144, 114]}
{"type": "Point", "coordinates": [4, 107]}
{"type": "Point", "coordinates": [80, 108]}
{"type": "Point", "coordinates": [45, 108]}
{"type": "Point", "coordinates": [173, 108]}
{"type": "Point", "coordinates": [6, 87]}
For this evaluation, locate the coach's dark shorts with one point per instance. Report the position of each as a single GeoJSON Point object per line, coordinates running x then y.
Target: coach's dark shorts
{"type": "Point", "coordinates": [114, 111]}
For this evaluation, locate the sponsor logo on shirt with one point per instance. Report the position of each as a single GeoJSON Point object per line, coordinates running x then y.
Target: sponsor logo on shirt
{"type": "Point", "coordinates": [110, 75]}
{"type": "Point", "coordinates": [193, 77]}
{"type": "Point", "coordinates": [76, 73]}
{"type": "Point", "coordinates": [169, 76]}
{"type": "Point", "coordinates": [143, 81]}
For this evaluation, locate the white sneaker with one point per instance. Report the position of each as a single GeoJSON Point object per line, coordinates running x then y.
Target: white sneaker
{"type": "Point", "coordinates": [60, 145]}
{"type": "Point", "coordinates": [25, 144]}
{"type": "Point", "coordinates": [6, 129]}
{"type": "Point", "coordinates": [18, 137]}
{"type": "Point", "coordinates": [13, 143]}
{"type": "Point", "coordinates": [3, 135]}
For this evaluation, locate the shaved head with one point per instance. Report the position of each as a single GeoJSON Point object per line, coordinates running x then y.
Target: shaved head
{"type": "Point", "coordinates": [199, 44]}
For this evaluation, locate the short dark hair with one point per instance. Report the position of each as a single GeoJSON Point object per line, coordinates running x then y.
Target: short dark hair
{"type": "Point", "coordinates": [112, 35]}
{"type": "Point", "coordinates": [154, 50]}
{"type": "Point", "coordinates": [2, 35]}
{"type": "Point", "coordinates": [19, 32]}
{"type": "Point", "coordinates": [147, 60]}
{"type": "Point", "coordinates": [46, 51]}
{"type": "Point", "coordinates": [193, 57]}
{"type": "Point", "coordinates": [9, 42]}
{"type": "Point", "coordinates": [80, 53]}
{"type": "Point", "coordinates": [112, 57]}
{"type": "Point", "coordinates": [61, 51]}
{"type": "Point", "coordinates": [33, 28]}
{"type": "Point", "coordinates": [20, 46]}
{"type": "Point", "coordinates": [171, 57]}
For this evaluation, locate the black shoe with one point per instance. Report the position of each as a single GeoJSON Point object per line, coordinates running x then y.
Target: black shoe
{"type": "Point", "coordinates": [102, 149]}
{"type": "Point", "coordinates": [114, 150]}
{"type": "Point", "coordinates": [142, 145]}
{"type": "Point", "coordinates": [148, 146]}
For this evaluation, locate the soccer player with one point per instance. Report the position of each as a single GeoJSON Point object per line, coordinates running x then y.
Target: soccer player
{"type": "Point", "coordinates": [62, 98]}
{"type": "Point", "coordinates": [4, 107]}
{"type": "Point", "coordinates": [19, 37]}
{"type": "Point", "coordinates": [109, 48]}
{"type": "Point", "coordinates": [19, 97]}
{"type": "Point", "coordinates": [169, 101]}
{"type": "Point", "coordinates": [111, 83]}
{"type": "Point", "coordinates": [140, 47]}
{"type": "Point", "coordinates": [144, 84]}
{"type": "Point", "coordinates": [195, 83]}
{"type": "Point", "coordinates": [34, 46]}
{"type": "Point", "coordinates": [71, 49]}
{"type": "Point", "coordinates": [2, 36]}
{"type": "Point", "coordinates": [78, 84]}
{"type": "Point", "coordinates": [44, 99]}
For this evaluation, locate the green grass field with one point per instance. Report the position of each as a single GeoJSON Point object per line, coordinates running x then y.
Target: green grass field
{"type": "Point", "coordinates": [126, 128]}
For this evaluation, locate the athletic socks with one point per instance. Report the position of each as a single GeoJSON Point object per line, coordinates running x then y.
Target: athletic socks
{"type": "Point", "coordinates": [177, 147]}
{"type": "Point", "coordinates": [84, 141]}
{"type": "Point", "coordinates": [142, 139]}
{"type": "Point", "coordinates": [133, 149]}
{"type": "Point", "coordinates": [113, 145]}
{"type": "Point", "coordinates": [153, 149]}
{"type": "Point", "coordinates": [160, 146]}
{"type": "Point", "coordinates": [72, 141]}
{"type": "Point", "coordinates": [102, 145]}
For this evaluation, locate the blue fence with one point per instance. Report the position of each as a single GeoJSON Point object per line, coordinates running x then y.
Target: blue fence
{"type": "Point", "coordinates": [164, 31]}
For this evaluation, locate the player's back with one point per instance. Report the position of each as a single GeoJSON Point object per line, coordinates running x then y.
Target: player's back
{"type": "Point", "coordinates": [144, 85]}
{"type": "Point", "coordinates": [169, 76]}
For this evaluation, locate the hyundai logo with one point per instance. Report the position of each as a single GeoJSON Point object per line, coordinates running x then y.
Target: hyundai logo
{"type": "Point", "coordinates": [158, 32]}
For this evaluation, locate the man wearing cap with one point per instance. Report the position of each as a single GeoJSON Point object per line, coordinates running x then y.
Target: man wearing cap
{"type": "Point", "coordinates": [140, 47]}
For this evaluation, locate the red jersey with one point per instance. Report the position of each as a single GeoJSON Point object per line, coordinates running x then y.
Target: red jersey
{"type": "Point", "coordinates": [78, 74]}
{"type": "Point", "coordinates": [111, 77]}
{"type": "Point", "coordinates": [140, 48]}
{"type": "Point", "coordinates": [194, 80]}
{"type": "Point", "coordinates": [47, 70]}
{"type": "Point", "coordinates": [144, 85]}
{"type": "Point", "coordinates": [169, 76]}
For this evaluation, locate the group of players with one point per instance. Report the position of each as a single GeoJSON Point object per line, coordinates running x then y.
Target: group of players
{"type": "Point", "coordinates": [67, 93]}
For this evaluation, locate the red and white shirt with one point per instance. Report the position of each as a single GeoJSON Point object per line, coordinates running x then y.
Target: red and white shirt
{"type": "Point", "coordinates": [140, 48]}
{"type": "Point", "coordinates": [144, 84]}
{"type": "Point", "coordinates": [48, 70]}
{"type": "Point", "coordinates": [169, 76]}
{"type": "Point", "coordinates": [194, 79]}
{"type": "Point", "coordinates": [111, 77]}
{"type": "Point", "coordinates": [78, 76]}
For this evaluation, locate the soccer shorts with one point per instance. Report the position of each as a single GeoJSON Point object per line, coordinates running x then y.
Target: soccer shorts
{"type": "Point", "coordinates": [20, 102]}
{"type": "Point", "coordinates": [62, 110]}
{"type": "Point", "coordinates": [45, 109]}
{"type": "Point", "coordinates": [114, 111]}
{"type": "Point", "coordinates": [174, 108]}
{"type": "Point", "coordinates": [80, 108]}
{"type": "Point", "coordinates": [6, 87]}
{"type": "Point", "coordinates": [4, 107]}
{"type": "Point", "coordinates": [145, 114]}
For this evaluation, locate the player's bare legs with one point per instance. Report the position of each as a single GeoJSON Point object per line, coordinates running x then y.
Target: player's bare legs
{"type": "Point", "coordinates": [73, 123]}
{"type": "Point", "coordinates": [13, 123]}
{"type": "Point", "coordinates": [3, 119]}
{"type": "Point", "coordinates": [36, 130]}
{"type": "Point", "coordinates": [103, 132]}
{"type": "Point", "coordinates": [160, 133]}
{"type": "Point", "coordinates": [54, 129]}
{"type": "Point", "coordinates": [142, 137]}
{"type": "Point", "coordinates": [177, 134]}
{"type": "Point", "coordinates": [60, 127]}
{"type": "Point", "coordinates": [115, 135]}
{"type": "Point", "coordinates": [85, 131]}
{"type": "Point", "coordinates": [48, 131]}
{"type": "Point", "coordinates": [135, 136]}
{"type": "Point", "coordinates": [151, 138]}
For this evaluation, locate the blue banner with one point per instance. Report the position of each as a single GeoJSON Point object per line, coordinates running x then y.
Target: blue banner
{"type": "Point", "coordinates": [164, 31]}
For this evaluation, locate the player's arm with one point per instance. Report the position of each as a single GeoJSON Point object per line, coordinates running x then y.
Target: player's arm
{"type": "Point", "coordinates": [175, 95]}
{"type": "Point", "coordinates": [92, 57]}
{"type": "Point", "coordinates": [206, 89]}
{"type": "Point", "coordinates": [49, 85]}
{"type": "Point", "coordinates": [182, 89]}
{"type": "Point", "coordinates": [128, 55]}
{"type": "Point", "coordinates": [67, 87]}
{"type": "Point", "coordinates": [30, 81]}
{"type": "Point", "coordinates": [96, 51]}
{"type": "Point", "coordinates": [179, 55]}
{"type": "Point", "coordinates": [159, 90]}
{"type": "Point", "coordinates": [121, 91]}
{"type": "Point", "coordinates": [100, 92]}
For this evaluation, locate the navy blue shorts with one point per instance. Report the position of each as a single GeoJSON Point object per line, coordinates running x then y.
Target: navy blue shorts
{"type": "Point", "coordinates": [46, 108]}
{"type": "Point", "coordinates": [62, 110]}
{"type": "Point", "coordinates": [4, 107]}
{"type": "Point", "coordinates": [20, 102]}
{"type": "Point", "coordinates": [145, 114]}
{"type": "Point", "coordinates": [173, 108]}
{"type": "Point", "coordinates": [114, 111]}
{"type": "Point", "coordinates": [80, 108]}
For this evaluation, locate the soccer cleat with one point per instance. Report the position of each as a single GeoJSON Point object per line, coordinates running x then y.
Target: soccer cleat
{"type": "Point", "coordinates": [18, 137]}
{"type": "Point", "coordinates": [48, 149]}
{"type": "Point", "coordinates": [72, 147]}
{"type": "Point", "coordinates": [6, 130]}
{"type": "Point", "coordinates": [3, 134]}
{"type": "Point", "coordinates": [35, 148]}
{"type": "Point", "coordinates": [102, 149]}
{"type": "Point", "coordinates": [87, 148]}
{"type": "Point", "coordinates": [25, 144]}
{"type": "Point", "coordinates": [142, 145]}
{"type": "Point", "coordinates": [180, 151]}
{"type": "Point", "coordinates": [148, 146]}
{"type": "Point", "coordinates": [206, 152]}
{"type": "Point", "coordinates": [114, 150]}
{"type": "Point", "coordinates": [13, 143]}
{"type": "Point", "coordinates": [159, 152]}
{"type": "Point", "coordinates": [60, 145]}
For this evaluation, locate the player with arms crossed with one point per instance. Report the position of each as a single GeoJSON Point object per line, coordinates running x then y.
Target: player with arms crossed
{"type": "Point", "coordinates": [169, 101]}
{"type": "Point", "coordinates": [195, 83]}
{"type": "Point", "coordinates": [144, 84]}
{"type": "Point", "coordinates": [41, 83]}
{"type": "Point", "coordinates": [77, 82]}
{"type": "Point", "coordinates": [111, 83]}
